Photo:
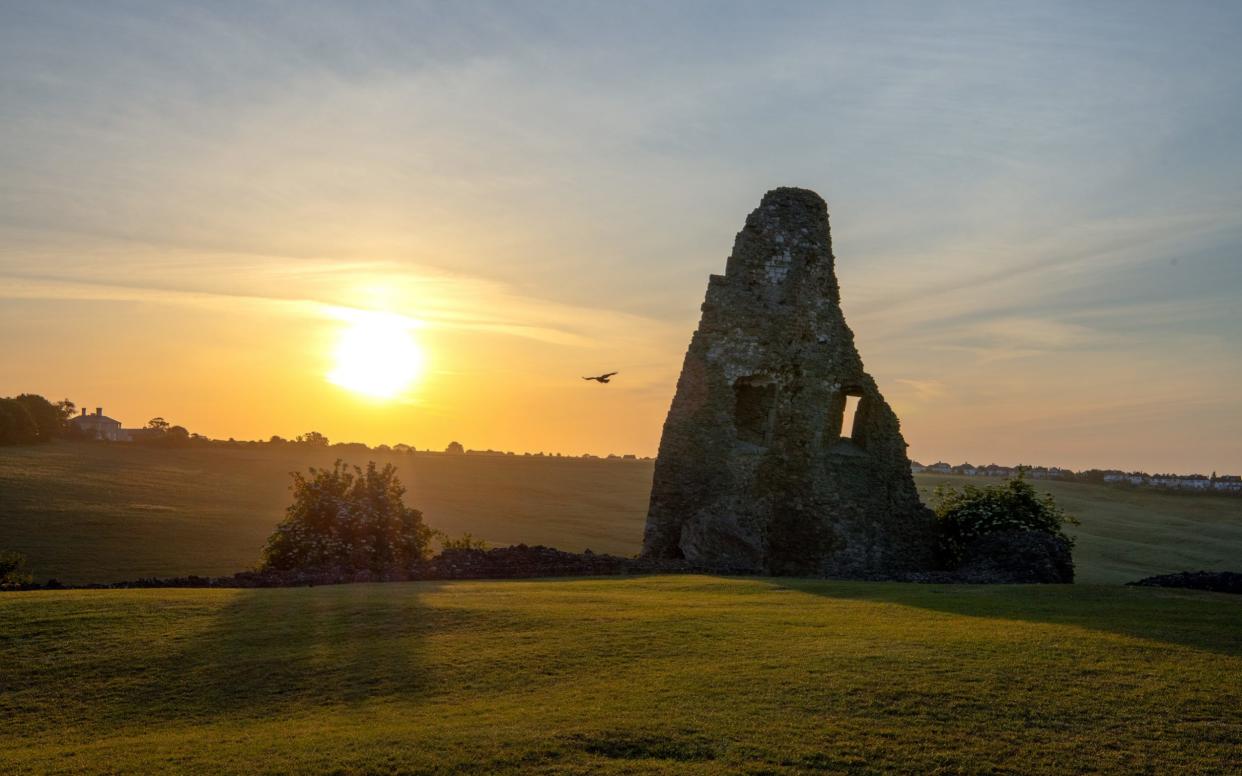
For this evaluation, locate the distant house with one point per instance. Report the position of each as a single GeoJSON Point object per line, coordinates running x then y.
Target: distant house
{"type": "Point", "coordinates": [1228, 482]}
{"type": "Point", "coordinates": [940, 467]}
{"type": "Point", "coordinates": [1179, 482]}
{"type": "Point", "coordinates": [99, 426]}
{"type": "Point", "coordinates": [916, 467]}
{"type": "Point", "coordinates": [1194, 482]}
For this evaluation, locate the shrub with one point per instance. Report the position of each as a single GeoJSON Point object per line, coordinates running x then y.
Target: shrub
{"type": "Point", "coordinates": [966, 514]}
{"type": "Point", "coordinates": [467, 541]}
{"type": "Point", "coordinates": [347, 517]}
{"type": "Point", "coordinates": [13, 570]}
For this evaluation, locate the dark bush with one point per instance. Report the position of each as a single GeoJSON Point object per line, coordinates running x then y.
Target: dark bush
{"type": "Point", "coordinates": [350, 518]}
{"type": "Point", "coordinates": [972, 512]}
{"type": "Point", "coordinates": [13, 570]}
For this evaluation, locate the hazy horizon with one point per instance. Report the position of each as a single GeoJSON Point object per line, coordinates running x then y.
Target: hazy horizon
{"type": "Point", "coordinates": [1036, 213]}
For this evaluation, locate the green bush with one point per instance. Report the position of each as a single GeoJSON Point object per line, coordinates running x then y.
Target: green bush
{"type": "Point", "coordinates": [347, 517]}
{"type": "Point", "coordinates": [966, 514]}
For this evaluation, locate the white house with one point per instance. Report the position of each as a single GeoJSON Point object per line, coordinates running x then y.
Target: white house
{"type": "Point", "coordinates": [99, 426]}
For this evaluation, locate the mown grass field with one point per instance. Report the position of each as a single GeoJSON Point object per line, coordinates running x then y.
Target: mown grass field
{"type": "Point", "coordinates": [658, 674]}
{"type": "Point", "coordinates": [102, 513]}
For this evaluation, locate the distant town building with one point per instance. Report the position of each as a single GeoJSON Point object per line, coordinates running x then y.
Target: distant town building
{"type": "Point", "coordinates": [99, 426]}
{"type": "Point", "coordinates": [1229, 483]}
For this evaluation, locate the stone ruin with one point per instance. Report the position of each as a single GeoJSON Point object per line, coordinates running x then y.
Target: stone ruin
{"type": "Point", "coordinates": [760, 469]}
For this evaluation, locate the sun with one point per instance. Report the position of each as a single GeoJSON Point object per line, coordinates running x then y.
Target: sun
{"type": "Point", "coordinates": [377, 356]}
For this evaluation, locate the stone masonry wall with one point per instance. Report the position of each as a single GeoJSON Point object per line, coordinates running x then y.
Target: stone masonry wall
{"type": "Point", "coordinates": [755, 472]}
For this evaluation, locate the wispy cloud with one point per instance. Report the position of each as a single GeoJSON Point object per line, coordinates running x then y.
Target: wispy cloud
{"type": "Point", "coordinates": [1018, 194]}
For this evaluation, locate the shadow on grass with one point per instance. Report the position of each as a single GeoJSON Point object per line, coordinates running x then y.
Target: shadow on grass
{"type": "Point", "coordinates": [273, 652]}
{"type": "Point", "coordinates": [1207, 621]}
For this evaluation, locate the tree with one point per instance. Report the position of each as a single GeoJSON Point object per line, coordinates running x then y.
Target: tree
{"type": "Point", "coordinates": [312, 439]}
{"type": "Point", "coordinates": [455, 448]}
{"type": "Point", "coordinates": [348, 517]}
{"type": "Point", "coordinates": [46, 416]}
{"type": "Point", "coordinates": [157, 424]}
{"type": "Point", "coordinates": [47, 419]}
{"type": "Point", "coordinates": [67, 410]}
{"type": "Point", "coordinates": [17, 427]}
{"type": "Point", "coordinates": [966, 514]}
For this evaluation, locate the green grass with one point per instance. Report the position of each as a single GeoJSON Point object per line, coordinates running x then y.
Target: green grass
{"type": "Point", "coordinates": [102, 513]}
{"type": "Point", "coordinates": [1131, 533]}
{"type": "Point", "coordinates": [662, 674]}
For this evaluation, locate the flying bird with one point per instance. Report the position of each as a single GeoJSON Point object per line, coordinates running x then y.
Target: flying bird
{"type": "Point", "coordinates": [601, 378]}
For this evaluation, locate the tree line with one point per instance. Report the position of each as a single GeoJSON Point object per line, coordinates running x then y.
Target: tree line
{"type": "Point", "coordinates": [29, 419]}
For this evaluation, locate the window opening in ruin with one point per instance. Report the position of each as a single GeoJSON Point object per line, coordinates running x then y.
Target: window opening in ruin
{"type": "Point", "coordinates": [849, 415]}
{"type": "Point", "coordinates": [752, 410]}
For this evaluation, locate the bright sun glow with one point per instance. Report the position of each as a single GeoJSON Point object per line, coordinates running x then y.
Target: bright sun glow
{"type": "Point", "coordinates": [377, 356]}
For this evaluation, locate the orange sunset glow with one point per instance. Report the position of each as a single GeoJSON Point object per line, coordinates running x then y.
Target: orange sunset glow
{"type": "Point", "coordinates": [1015, 303]}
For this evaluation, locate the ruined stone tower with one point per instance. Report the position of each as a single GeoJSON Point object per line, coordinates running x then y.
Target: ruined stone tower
{"type": "Point", "coordinates": [759, 469]}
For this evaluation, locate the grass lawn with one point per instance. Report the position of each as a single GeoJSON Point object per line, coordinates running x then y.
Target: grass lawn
{"type": "Point", "coordinates": [662, 674]}
{"type": "Point", "coordinates": [102, 513]}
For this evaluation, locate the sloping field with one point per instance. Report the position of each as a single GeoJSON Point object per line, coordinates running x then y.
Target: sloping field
{"type": "Point", "coordinates": [658, 674]}
{"type": "Point", "coordinates": [98, 513]}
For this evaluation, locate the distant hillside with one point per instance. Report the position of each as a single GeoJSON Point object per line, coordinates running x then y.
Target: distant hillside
{"type": "Point", "coordinates": [86, 512]}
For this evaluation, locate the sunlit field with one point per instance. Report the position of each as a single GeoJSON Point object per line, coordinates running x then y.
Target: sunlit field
{"type": "Point", "coordinates": [657, 674]}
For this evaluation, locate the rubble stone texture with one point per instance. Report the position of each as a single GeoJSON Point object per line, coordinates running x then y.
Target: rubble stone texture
{"type": "Point", "coordinates": [756, 472]}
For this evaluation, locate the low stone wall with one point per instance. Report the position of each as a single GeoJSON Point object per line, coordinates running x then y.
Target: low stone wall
{"type": "Point", "coordinates": [516, 562]}
{"type": "Point", "coordinates": [1215, 581]}
{"type": "Point", "coordinates": [1014, 557]}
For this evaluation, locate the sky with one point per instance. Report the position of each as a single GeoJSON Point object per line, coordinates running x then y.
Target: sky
{"type": "Point", "coordinates": [1036, 213]}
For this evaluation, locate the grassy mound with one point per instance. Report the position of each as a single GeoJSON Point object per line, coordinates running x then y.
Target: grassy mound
{"type": "Point", "coordinates": [661, 674]}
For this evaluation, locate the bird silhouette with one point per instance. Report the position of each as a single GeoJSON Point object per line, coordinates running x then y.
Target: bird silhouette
{"type": "Point", "coordinates": [604, 378]}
